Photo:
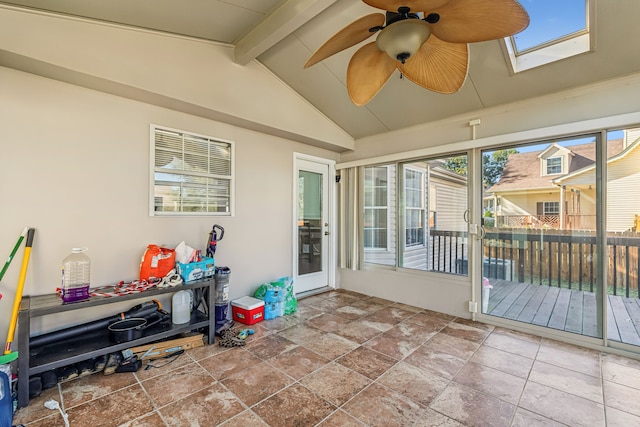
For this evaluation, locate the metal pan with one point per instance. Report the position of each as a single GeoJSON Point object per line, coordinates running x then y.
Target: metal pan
{"type": "Point", "coordinates": [129, 329]}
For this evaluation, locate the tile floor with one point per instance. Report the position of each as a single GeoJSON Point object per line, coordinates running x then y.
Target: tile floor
{"type": "Point", "coordinates": [346, 359]}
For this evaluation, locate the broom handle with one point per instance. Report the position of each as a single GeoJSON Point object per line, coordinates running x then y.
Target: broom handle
{"type": "Point", "coordinates": [18, 298]}
{"type": "Point", "coordinates": [13, 252]}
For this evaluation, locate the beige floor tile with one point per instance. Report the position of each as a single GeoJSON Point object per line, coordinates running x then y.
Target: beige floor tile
{"type": "Point", "coordinates": [270, 346]}
{"type": "Point", "coordinates": [328, 322]}
{"type": "Point", "coordinates": [618, 418]}
{"type": "Point", "coordinates": [341, 419]}
{"type": "Point", "coordinates": [94, 386]}
{"type": "Point", "coordinates": [228, 363]}
{"type": "Point", "coordinates": [357, 331]}
{"type": "Point", "coordinates": [298, 362]}
{"type": "Point", "coordinates": [512, 344]}
{"type": "Point", "coordinates": [330, 345]}
{"type": "Point", "coordinates": [207, 407]}
{"type": "Point", "coordinates": [509, 363]}
{"type": "Point", "coordinates": [473, 408]}
{"type": "Point", "coordinates": [621, 373]}
{"type": "Point", "coordinates": [367, 362]}
{"type": "Point", "coordinates": [257, 383]}
{"type": "Point", "coordinates": [454, 346]}
{"type": "Point", "coordinates": [245, 419]}
{"type": "Point", "coordinates": [524, 418]}
{"type": "Point", "coordinates": [561, 406]}
{"type": "Point", "coordinates": [417, 384]}
{"type": "Point", "coordinates": [570, 357]}
{"type": "Point", "coordinates": [573, 382]}
{"type": "Point", "coordinates": [491, 381]}
{"type": "Point", "coordinates": [113, 409]}
{"type": "Point", "coordinates": [335, 383]}
{"type": "Point", "coordinates": [431, 418]}
{"type": "Point", "coordinates": [380, 406]}
{"type": "Point", "coordinates": [436, 361]}
{"type": "Point", "coordinates": [294, 406]}
{"type": "Point", "coordinates": [469, 333]}
{"type": "Point", "coordinates": [176, 384]}
{"type": "Point", "coordinates": [621, 397]}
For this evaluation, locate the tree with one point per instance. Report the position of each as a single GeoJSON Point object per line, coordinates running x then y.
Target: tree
{"type": "Point", "coordinates": [492, 165]}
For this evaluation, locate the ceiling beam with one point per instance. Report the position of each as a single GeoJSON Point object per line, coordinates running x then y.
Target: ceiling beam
{"type": "Point", "coordinates": [284, 20]}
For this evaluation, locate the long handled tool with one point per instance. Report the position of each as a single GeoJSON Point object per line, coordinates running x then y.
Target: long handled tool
{"type": "Point", "coordinates": [18, 298]}
{"type": "Point", "coordinates": [13, 252]}
{"type": "Point", "coordinates": [214, 238]}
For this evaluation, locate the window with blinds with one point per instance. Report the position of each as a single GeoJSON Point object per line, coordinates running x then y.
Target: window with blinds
{"type": "Point", "coordinates": [191, 174]}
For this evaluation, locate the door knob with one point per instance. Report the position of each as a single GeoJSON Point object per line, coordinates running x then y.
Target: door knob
{"type": "Point", "coordinates": [326, 233]}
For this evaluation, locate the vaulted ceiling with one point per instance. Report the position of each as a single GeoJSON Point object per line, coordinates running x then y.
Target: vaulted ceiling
{"type": "Point", "coordinates": [282, 34]}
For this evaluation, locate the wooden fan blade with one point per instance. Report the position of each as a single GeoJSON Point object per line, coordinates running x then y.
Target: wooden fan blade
{"type": "Point", "coordinates": [369, 69]}
{"type": "Point", "coordinates": [349, 36]}
{"type": "Point", "coordinates": [438, 65]}
{"type": "Point", "coordinates": [414, 5]}
{"type": "Point", "coordinates": [469, 21]}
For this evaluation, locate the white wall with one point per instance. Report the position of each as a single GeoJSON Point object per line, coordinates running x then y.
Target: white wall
{"type": "Point", "coordinates": [74, 164]}
{"type": "Point", "coordinates": [182, 73]}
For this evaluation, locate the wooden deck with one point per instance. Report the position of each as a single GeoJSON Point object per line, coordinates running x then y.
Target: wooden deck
{"type": "Point", "coordinates": [564, 309]}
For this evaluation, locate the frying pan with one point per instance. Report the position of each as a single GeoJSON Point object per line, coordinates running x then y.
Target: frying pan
{"type": "Point", "coordinates": [130, 329]}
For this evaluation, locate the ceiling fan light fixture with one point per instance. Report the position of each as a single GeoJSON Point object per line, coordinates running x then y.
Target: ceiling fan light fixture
{"type": "Point", "coordinates": [402, 39]}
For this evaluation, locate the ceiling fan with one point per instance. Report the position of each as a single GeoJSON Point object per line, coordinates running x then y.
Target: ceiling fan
{"type": "Point", "coordinates": [426, 40]}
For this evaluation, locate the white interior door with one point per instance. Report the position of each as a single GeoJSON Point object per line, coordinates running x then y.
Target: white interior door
{"type": "Point", "coordinates": [313, 228]}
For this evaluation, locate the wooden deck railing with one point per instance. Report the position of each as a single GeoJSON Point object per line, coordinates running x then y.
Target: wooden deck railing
{"type": "Point", "coordinates": [559, 258]}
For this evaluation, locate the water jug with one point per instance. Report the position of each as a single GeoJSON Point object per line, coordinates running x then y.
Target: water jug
{"type": "Point", "coordinates": [181, 307]}
{"type": "Point", "coordinates": [76, 276]}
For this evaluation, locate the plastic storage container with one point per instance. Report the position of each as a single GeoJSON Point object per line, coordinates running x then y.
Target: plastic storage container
{"type": "Point", "coordinates": [222, 296]}
{"type": "Point", "coordinates": [222, 284]}
{"type": "Point", "coordinates": [248, 310]}
{"type": "Point", "coordinates": [76, 276]}
{"type": "Point", "coordinates": [181, 307]}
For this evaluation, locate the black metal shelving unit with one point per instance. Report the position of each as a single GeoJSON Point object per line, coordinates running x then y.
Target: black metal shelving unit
{"type": "Point", "coordinates": [38, 359]}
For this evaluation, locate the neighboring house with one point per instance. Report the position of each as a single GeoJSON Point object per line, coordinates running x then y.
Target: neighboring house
{"type": "Point", "coordinates": [433, 195]}
{"type": "Point", "coordinates": [623, 187]}
{"type": "Point", "coordinates": [555, 187]}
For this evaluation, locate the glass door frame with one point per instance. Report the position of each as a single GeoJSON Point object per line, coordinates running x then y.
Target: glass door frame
{"type": "Point", "coordinates": [327, 167]}
{"type": "Point", "coordinates": [600, 251]}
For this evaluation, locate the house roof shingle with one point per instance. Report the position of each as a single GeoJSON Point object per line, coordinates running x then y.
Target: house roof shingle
{"type": "Point", "coordinates": [522, 170]}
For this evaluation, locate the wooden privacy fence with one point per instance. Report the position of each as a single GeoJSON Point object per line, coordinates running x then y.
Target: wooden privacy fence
{"type": "Point", "coordinates": [558, 258]}
{"type": "Point", "coordinates": [564, 258]}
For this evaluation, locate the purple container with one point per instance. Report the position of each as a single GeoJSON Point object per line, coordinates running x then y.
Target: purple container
{"type": "Point", "coordinates": [75, 294]}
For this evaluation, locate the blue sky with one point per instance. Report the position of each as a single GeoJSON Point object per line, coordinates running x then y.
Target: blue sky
{"type": "Point", "coordinates": [617, 134]}
{"type": "Point", "coordinates": [550, 19]}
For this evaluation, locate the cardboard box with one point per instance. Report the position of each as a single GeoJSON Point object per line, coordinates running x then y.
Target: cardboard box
{"type": "Point", "coordinates": [169, 347]}
{"type": "Point", "coordinates": [247, 310]}
{"type": "Point", "coordinates": [196, 270]}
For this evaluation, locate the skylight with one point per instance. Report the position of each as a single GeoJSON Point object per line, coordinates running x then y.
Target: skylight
{"type": "Point", "coordinates": [558, 30]}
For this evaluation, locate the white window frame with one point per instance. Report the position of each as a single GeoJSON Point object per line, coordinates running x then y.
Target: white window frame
{"type": "Point", "coordinates": [421, 209]}
{"type": "Point", "coordinates": [555, 50]}
{"type": "Point", "coordinates": [154, 129]}
{"type": "Point", "coordinates": [546, 165]}
{"type": "Point", "coordinates": [386, 207]}
{"type": "Point", "coordinates": [546, 211]}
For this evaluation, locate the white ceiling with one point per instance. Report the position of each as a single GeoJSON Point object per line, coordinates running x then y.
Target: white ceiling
{"type": "Point", "coordinates": [282, 34]}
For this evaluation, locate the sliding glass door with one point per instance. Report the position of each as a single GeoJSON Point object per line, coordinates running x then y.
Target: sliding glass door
{"type": "Point", "coordinates": [539, 251]}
